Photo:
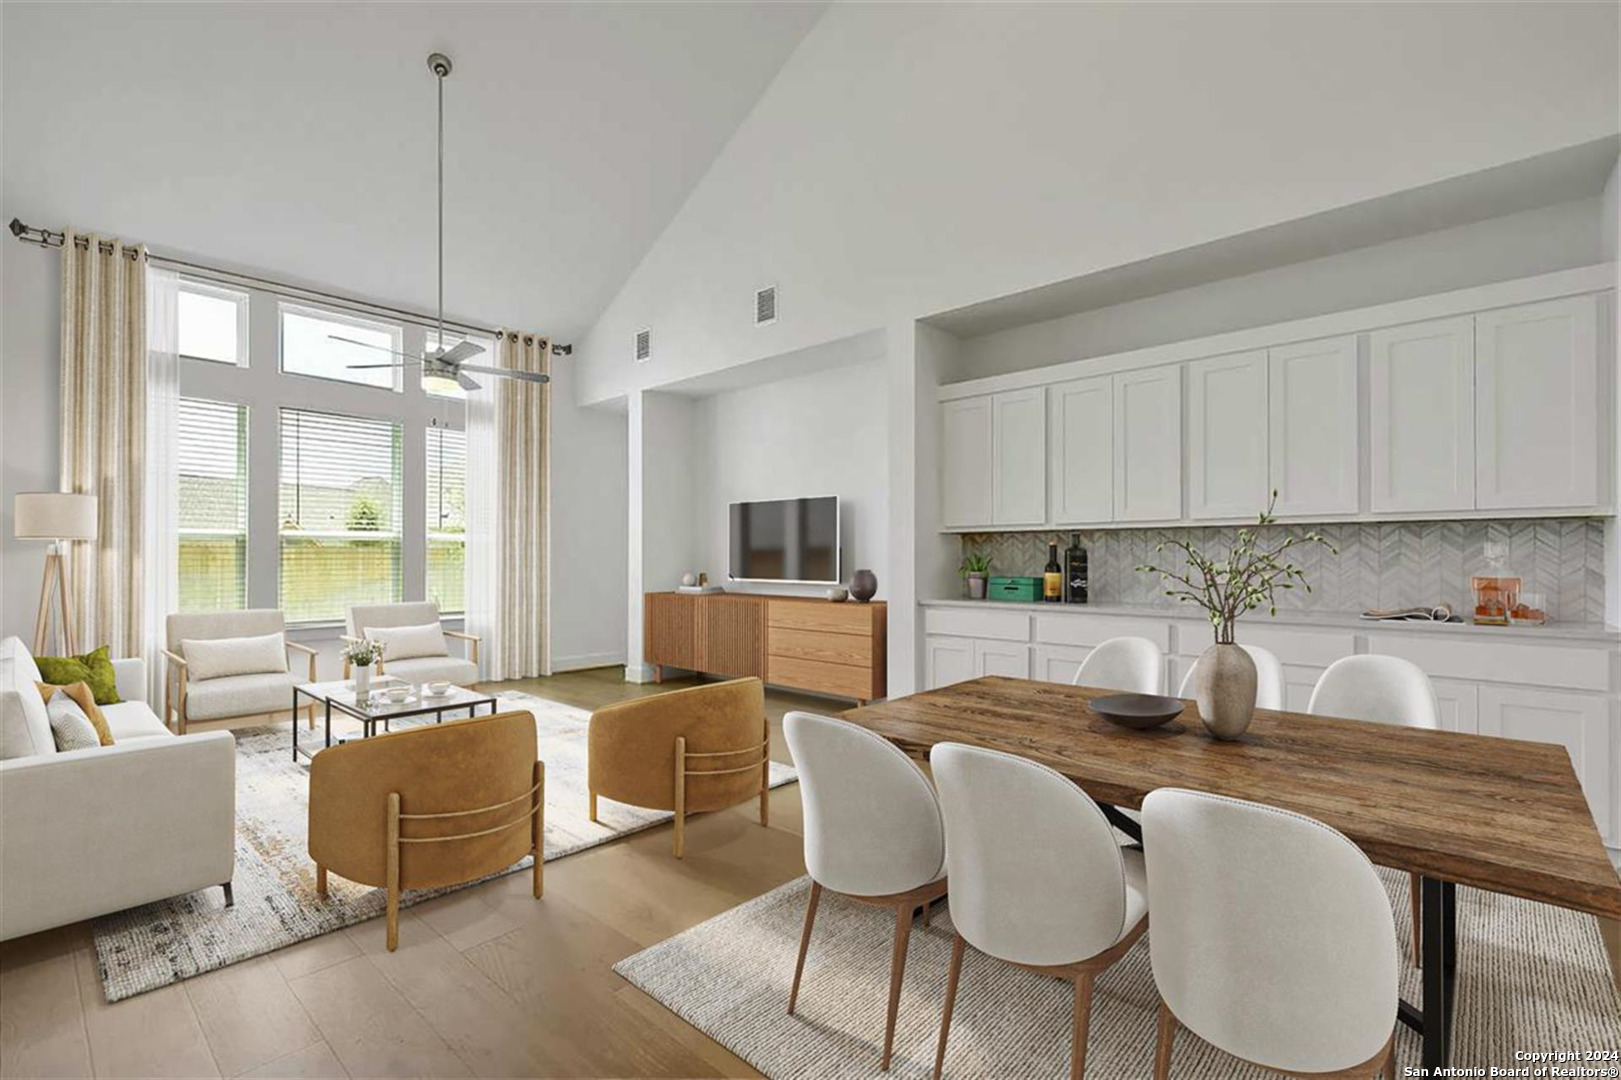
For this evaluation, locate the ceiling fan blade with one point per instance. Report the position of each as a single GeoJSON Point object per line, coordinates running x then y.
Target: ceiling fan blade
{"type": "Point", "coordinates": [507, 373]}
{"type": "Point", "coordinates": [466, 382]}
{"type": "Point", "coordinates": [460, 351]}
{"type": "Point", "coordinates": [369, 345]}
{"type": "Point", "coordinates": [364, 367]}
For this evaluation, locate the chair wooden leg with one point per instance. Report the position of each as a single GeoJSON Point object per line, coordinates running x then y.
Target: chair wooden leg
{"type": "Point", "coordinates": [538, 830]}
{"type": "Point", "coordinates": [680, 797]}
{"type": "Point", "coordinates": [393, 870]}
{"type": "Point", "coordinates": [1082, 1023]}
{"type": "Point", "coordinates": [804, 943]}
{"type": "Point", "coordinates": [592, 811]}
{"type": "Point", "coordinates": [1162, 1047]}
{"type": "Point", "coordinates": [951, 1002]}
{"type": "Point", "coordinates": [927, 908]}
{"type": "Point", "coordinates": [897, 972]}
{"type": "Point", "coordinates": [1390, 1060]}
{"type": "Point", "coordinates": [320, 880]}
{"type": "Point", "coordinates": [765, 777]}
{"type": "Point", "coordinates": [1415, 907]}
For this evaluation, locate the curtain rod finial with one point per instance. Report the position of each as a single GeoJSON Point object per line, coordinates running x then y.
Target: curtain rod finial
{"type": "Point", "coordinates": [17, 227]}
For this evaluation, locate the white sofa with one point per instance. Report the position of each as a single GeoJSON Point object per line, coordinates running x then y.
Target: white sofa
{"type": "Point", "coordinates": [88, 832]}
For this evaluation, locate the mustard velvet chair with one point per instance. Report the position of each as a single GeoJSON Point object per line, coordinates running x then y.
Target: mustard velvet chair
{"type": "Point", "coordinates": [429, 807]}
{"type": "Point", "coordinates": [703, 748]}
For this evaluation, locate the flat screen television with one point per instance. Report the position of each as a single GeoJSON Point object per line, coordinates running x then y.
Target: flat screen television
{"type": "Point", "coordinates": [791, 540]}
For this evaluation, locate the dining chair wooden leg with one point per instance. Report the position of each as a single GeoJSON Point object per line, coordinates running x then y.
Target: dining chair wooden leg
{"type": "Point", "coordinates": [1416, 908]}
{"type": "Point", "coordinates": [1162, 1046]}
{"type": "Point", "coordinates": [928, 906]}
{"type": "Point", "coordinates": [897, 971]}
{"type": "Point", "coordinates": [1390, 1059]}
{"type": "Point", "coordinates": [1082, 1022]}
{"type": "Point", "coordinates": [957, 947]}
{"type": "Point", "coordinates": [804, 943]}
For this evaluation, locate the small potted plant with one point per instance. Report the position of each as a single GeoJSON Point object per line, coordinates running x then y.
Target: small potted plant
{"type": "Point", "coordinates": [976, 567]}
{"type": "Point", "coordinates": [1224, 677]}
{"type": "Point", "coordinates": [362, 653]}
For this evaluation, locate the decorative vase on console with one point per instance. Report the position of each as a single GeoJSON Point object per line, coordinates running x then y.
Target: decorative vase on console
{"type": "Point", "coordinates": [864, 586]}
{"type": "Point", "coordinates": [1224, 678]}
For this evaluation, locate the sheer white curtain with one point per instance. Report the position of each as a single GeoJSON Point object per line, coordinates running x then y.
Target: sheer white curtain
{"type": "Point", "coordinates": [160, 567]}
{"type": "Point", "coordinates": [482, 557]}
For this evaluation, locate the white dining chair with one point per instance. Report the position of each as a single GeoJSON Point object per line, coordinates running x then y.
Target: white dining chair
{"type": "Point", "coordinates": [1383, 690]}
{"type": "Point", "coordinates": [1132, 664]}
{"type": "Point", "coordinates": [873, 832]}
{"type": "Point", "coordinates": [1273, 939]}
{"type": "Point", "coordinates": [1014, 897]}
{"type": "Point", "coordinates": [1268, 678]}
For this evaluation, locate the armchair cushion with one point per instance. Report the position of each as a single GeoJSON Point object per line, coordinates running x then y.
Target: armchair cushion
{"type": "Point", "coordinates": [25, 727]}
{"type": "Point", "coordinates": [218, 658]}
{"type": "Point", "coordinates": [239, 695]}
{"type": "Point", "coordinates": [94, 667]}
{"type": "Point", "coordinates": [409, 642]}
{"type": "Point", "coordinates": [410, 613]}
{"type": "Point", "coordinates": [425, 669]}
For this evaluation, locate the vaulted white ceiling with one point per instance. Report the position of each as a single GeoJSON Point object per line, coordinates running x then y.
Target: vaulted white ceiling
{"type": "Point", "coordinates": [299, 138]}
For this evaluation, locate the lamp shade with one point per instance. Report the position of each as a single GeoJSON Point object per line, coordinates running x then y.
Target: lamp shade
{"type": "Point", "coordinates": [54, 515]}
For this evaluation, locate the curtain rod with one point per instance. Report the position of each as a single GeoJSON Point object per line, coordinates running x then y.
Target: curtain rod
{"type": "Point", "coordinates": [29, 234]}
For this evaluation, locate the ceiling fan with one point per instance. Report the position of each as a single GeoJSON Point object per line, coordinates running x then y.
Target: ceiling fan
{"type": "Point", "coordinates": [439, 361]}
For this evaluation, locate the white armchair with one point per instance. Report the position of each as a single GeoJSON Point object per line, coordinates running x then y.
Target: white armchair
{"type": "Point", "coordinates": [461, 670]}
{"type": "Point", "coordinates": [229, 697]}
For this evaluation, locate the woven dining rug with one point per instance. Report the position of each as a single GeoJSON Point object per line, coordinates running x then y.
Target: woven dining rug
{"type": "Point", "coordinates": [1530, 977]}
{"type": "Point", "coordinates": [157, 944]}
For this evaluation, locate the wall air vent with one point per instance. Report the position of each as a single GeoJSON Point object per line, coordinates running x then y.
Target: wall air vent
{"type": "Point", "coordinates": [644, 346]}
{"type": "Point", "coordinates": [765, 306]}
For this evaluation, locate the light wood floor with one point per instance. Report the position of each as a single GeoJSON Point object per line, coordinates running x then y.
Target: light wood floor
{"type": "Point", "coordinates": [486, 982]}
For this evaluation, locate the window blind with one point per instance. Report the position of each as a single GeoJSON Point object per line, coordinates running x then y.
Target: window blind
{"type": "Point", "coordinates": [213, 512]}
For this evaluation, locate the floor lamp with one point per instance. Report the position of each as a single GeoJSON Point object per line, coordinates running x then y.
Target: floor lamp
{"type": "Point", "coordinates": [59, 517]}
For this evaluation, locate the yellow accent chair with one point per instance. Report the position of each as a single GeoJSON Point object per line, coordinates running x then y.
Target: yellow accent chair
{"type": "Point", "coordinates": [429, 807]}
{"type": "Point", "coordinates": [702, 748]}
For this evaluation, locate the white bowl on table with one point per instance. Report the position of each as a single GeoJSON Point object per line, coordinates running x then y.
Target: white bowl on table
{"type": "Point", "coordinates": [438, 688]}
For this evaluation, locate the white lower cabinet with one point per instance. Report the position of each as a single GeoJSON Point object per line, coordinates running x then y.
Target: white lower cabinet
{"type": "Point", "coordinates": [1460, 705]}
{"type": "Point", "coordinates": [1058, 663]}
{"type": "Point", "coordinates": [1298, 683]}
{"type": "Point", "coordinates": [1002, 658]}
{"type": "Point", "coordinates": [1581, 723]}
{"type": "Point", "coordinates": [947, 660]}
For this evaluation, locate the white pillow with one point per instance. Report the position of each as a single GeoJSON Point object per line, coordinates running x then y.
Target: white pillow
{"type": "Point", "coordinates": [407, 642]}
{"type": "Point", "coordinates": [70, 727]}
{"type": "Point", "coordinates": [215, 658]}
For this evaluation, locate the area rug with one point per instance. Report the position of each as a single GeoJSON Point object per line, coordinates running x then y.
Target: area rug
{"type": "Point", "coordinates": [1529, 976]}
{"type": "Point", "coordinates": [161, 943]}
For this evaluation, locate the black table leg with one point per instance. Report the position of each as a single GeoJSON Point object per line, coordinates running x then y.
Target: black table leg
{"type": "Point", "coordinates": [1116, 818]}
{"type": "Point", "coordinates": [295, 725]}
{"type": "Point", "coordinates": [1440, 965]}
{"type": "Point", "coordinates": [329, 723]}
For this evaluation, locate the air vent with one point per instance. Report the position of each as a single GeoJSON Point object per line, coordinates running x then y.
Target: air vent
{"type": "Point", "coordinates": [644, 345]}
{"type": "Point", "coordinates": [765, 306]}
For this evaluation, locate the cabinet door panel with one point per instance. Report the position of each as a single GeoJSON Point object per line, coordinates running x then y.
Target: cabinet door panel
{"type": "Point", "coordinates": [1227, 421]}
{"type": "Point", "coordinates": [1148, 445]}
{"type": "Point", "coordinates": [947, 661]}
{"type": "Point", "coordinates": [1019, 457]}
{"type": "Point", "coordinates": [1298, 683]}
{"type": "Point", "coordinates": [1080, 424]}
{"type": "Point", "coordinates": [1057, 663]}
{"type": "Point", "coordinates": [1537, 405]}
{"type": "Point", "coordinates": [1422, 422]}
{"type": "Point", "coordinates": [1001, 658]}
{"type": "Point", "coordinates": [965, 462]}
{"type": "Point", "coordinates": [1578, 722]}
{"type": "Point", "coordinates": [1460, 705]}
{"type": "Point", "coordinates": [1313, 426]}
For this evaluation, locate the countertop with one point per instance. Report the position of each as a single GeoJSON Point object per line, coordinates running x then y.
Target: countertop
{"type": "Point", "coordinates": [1589, 633]}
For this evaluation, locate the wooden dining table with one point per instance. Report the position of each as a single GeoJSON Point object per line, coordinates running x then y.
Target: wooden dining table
{"type": "Point", "coordinates": [1503, 815]}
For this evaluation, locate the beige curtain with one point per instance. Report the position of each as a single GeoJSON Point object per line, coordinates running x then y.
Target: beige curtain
{"type": "Point", "coordinates": [104, 399]}
{"type": "Point", "coordinates": [509, 504]}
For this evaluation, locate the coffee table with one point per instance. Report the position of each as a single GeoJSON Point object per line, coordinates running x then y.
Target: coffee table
{"type": "Point", "coordinates": [379, 710]}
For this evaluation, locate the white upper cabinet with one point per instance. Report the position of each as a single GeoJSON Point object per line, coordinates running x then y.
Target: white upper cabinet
{"type": "Point", "coordinates": [1019, 457]}
{"type": "Point", "coordinates": [1537, 406]}
{"type": "Point", "coordinates": [1312, 387]}
{"type": "Point", "coordinates": [1080, 436]}
{"type": "Point", "coordinates": [1227, 436]}
{"type": "Point", "coordinates": [965, 462]}
{"type": "Point", "coordinates": [1421, 427]}
{"type": "Point", "coordinates": [1148, 444]}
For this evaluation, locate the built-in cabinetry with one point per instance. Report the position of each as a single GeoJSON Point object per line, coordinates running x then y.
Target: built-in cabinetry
{"type": "Point", "coordinates": [1490, 410]}
{"type": "Point", "coordinates": [1561, 692]}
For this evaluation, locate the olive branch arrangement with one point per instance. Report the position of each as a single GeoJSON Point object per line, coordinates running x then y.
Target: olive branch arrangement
{"type": "Point", "coordinates": [1245, 581]}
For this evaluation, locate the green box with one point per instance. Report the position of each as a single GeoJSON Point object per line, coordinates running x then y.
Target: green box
{"type": "Point", "coordinates": [1015, 588]}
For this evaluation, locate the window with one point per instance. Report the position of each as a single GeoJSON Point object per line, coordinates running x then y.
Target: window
{"type": "Point", "coordinates": [340, 513]}
{"type": "Point", "coordinates": [447, 518]}
{"type": "Point", "coordinates": [309, 347]}
{"type": "Point", "coordinates": [213, 462]}
{"type": "Point", "coordinates": [213, 323]}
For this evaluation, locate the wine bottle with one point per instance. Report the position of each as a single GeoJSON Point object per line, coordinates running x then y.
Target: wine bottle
{"type": "Point", "coordinates": [1075, 583]}
{"type": "Point", "coordinates": [1052, 581]}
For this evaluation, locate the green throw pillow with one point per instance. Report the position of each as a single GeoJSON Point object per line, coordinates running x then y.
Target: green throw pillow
{"type": "Point", "coordinates": [94, 668]}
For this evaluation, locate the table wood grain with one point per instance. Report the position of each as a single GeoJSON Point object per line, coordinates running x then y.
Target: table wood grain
{"type": "Point", "coordinates": [1499, 814]}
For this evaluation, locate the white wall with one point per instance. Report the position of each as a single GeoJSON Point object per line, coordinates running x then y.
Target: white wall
{"type": "Point", "coordinates": [1549, 238]}
{"type": "Point", "coordinates": [819, 434]}
{"type": "Point", "coordinates": [662, 524]}
{"type": "Point", "coordinates": [29, 432]}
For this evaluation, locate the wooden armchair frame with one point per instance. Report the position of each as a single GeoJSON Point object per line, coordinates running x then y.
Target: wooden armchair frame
{"type": "Point", "coordinates": [176, 681]}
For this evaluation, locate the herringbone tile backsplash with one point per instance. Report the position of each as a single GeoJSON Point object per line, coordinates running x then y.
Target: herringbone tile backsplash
{"type": "Point", "coordinates": [1383, 565]}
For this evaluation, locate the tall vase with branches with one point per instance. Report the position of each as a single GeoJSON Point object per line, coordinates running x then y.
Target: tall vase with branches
{"type": "Point", "coordinates": [1227, 589]}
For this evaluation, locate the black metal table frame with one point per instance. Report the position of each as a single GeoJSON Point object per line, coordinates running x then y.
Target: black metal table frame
{"type": "Point", "coordinates": [1438, 902]}
{"type": "Point", "coordinates": [368, 724]}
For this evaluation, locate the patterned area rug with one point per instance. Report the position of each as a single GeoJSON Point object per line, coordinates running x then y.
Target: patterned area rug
{"type": "Point", "coordinates": [161, 943]}
{"type": "Point", "coordinates": [1529, 976]}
